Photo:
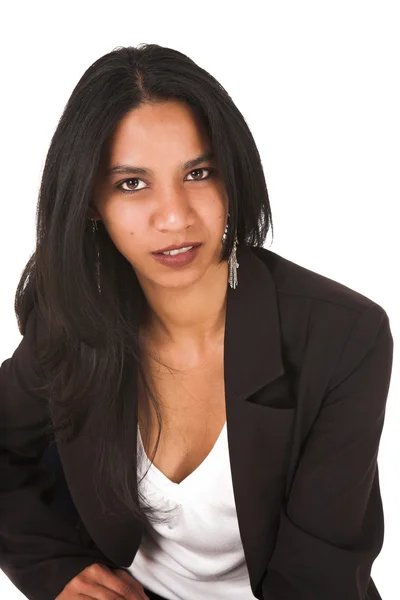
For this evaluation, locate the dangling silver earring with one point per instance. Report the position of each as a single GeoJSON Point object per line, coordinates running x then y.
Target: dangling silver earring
{"type": "Point", "coordinates": [233, 264]}
{"type": "Point", "coordinates": [94, 229]}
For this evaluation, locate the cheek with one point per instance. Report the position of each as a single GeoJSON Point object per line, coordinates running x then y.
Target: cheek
{"type": "Point", "coordinates": [121, 232]}
{"type": "Point", "coordinates": [121, 220]}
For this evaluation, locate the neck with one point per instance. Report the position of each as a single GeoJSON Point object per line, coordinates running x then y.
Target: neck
{"type": "Point", "coordinates": [189, 318]}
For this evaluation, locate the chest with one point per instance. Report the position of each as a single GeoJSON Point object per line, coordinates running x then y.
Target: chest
{"type": "Point", "coordinates": [193, 412]}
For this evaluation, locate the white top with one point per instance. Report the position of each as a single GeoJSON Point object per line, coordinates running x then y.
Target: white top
{"type": "Point", "coordinates": [198, 553]}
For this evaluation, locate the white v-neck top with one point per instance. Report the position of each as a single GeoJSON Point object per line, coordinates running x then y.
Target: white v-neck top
{"type": "Point", "coordinates": [198, 553]}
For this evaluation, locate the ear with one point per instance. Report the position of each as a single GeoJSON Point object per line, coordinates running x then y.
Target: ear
{"type": "Point", "coordinates": [92, 212]}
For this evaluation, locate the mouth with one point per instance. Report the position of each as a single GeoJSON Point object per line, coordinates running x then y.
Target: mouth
{"type": "Point", "coordinates": [178, 258]}
{"type": "Point", "coordinates": [174, 250]}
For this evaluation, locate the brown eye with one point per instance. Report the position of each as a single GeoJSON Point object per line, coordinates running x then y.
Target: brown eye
{"type": "Point", "coordinates": [197, 171]}
{"type": "Point", "coordinates": [130, 186]}
{"type": "Point", "coordinates": [128, 182]}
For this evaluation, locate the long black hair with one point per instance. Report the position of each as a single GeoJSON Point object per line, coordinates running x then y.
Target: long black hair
{"type": "Point", "coordinates": [84, 290]}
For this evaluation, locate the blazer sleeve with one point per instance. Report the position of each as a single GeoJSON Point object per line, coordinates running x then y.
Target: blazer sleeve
{"type": "Point", "coordinates": [40, 550]}
{"type": "Point", "coordinates": [332, 527]}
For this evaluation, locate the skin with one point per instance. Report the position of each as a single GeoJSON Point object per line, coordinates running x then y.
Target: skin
{"type": "Point", "coordinates": [98, 582]}
{"type": "Point", "coordinates": [186, 306]}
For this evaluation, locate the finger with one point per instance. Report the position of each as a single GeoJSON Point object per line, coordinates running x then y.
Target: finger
{"type": "Point", "coordinates": [66, 595]}
{"type": "Point", "coordinates": [101, 592]}
{"type": "Point", "coordinates": [98, 580]}
{"type": "Point", "coordinates": [131, 580]}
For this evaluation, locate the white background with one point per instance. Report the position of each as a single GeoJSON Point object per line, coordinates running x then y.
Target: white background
{"type": "Point", "coordinates": [317, 82]}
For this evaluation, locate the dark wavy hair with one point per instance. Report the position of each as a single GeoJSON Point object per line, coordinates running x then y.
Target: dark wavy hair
{"type": "Point", "coordinates": [83, 289]}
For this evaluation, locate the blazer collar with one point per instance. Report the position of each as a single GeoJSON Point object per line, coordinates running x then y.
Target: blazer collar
{"type": "Point", "coordinates": [258, 431]}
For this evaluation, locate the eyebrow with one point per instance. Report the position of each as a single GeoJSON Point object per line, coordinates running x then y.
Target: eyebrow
{"type": "Point", "coordinates": [129, 169]}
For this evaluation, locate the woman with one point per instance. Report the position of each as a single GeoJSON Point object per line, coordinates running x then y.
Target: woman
{"type": "Point", "coordinates": [198, 424]}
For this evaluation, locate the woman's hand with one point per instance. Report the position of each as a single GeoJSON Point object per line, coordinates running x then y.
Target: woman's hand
{"type": "Point", "coordinates": [98, 582]}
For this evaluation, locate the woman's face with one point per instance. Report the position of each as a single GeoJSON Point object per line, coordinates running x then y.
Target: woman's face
{"type": "Point", "coordinates": [165, 203]}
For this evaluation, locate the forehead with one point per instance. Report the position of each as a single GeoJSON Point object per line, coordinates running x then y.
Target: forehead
{"type": "Point", "coordinates": [157, 129]}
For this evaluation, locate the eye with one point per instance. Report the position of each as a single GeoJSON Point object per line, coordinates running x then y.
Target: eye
{"type": "Point", "coordinates": [128, 181]}
{"type": "Point", "coordinates": [202, 169]}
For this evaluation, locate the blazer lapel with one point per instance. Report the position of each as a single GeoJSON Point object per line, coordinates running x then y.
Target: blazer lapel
{"type": "Point", "coordinates": [260, 411]}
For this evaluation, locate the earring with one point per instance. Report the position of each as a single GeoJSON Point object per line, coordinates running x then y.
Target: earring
{"type": "Point", "coordinates": [94, 229]}
{"type": "Point", "coordinates": [233, 264]}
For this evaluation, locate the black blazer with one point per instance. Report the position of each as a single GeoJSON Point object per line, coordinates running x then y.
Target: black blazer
{"type": "Point", "coordinates": [307, 371]}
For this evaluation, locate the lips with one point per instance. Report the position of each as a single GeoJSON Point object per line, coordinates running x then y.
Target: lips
{"type": "Point", "coordinates": [168, 248]}
{"type": "Point", "coordinates": [178, 260]}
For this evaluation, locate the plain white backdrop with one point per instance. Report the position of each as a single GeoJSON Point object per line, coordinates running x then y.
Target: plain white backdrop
{"type": "Point", "coordinates": [318, 84]}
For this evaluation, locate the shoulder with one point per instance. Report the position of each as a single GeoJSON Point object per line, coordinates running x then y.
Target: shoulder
{"type": "Point", "coordinates": [292, 280]}
{"type": "Point", "coordinates": [322, 320]}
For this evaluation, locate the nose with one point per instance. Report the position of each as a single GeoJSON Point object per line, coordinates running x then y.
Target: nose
{"type": "Point", "coordinates": [174, 211]}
